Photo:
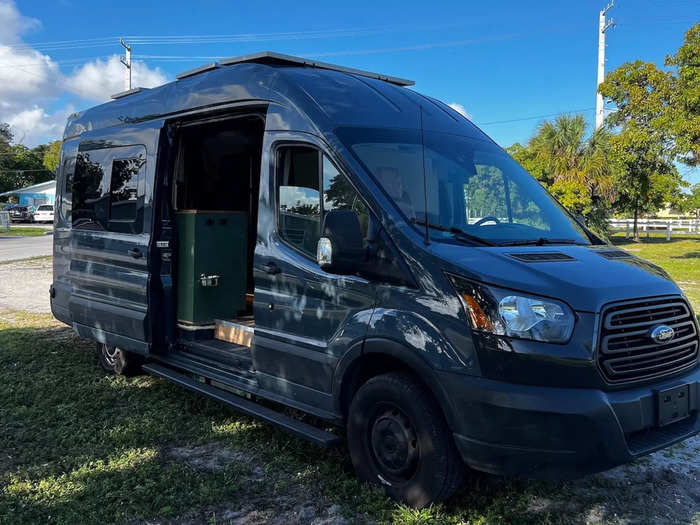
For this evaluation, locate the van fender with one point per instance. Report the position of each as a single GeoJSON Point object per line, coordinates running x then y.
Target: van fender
{"type": "Point", "coordinates": [399, 353]}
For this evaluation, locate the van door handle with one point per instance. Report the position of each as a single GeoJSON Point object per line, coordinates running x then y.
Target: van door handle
{"type": "Point", "coordinates": [271, 268]}
{"type": "Point", "coordinates": [135, 253]}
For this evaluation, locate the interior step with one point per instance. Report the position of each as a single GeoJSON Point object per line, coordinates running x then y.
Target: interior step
{"type": "Point", "coordinates": [299, 428]}
{"type": "Point", "coordinates": [217, 354]}
{"type": "Point", "coordinates": [237, 331]}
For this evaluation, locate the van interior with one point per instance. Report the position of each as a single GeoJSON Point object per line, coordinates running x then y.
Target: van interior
{"type": "Point", "coordinates": [216, 182]}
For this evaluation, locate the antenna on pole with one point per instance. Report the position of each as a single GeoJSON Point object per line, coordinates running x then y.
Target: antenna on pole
{"type": "Point", "coordinates": [127, 63]}
{"type": "Point", "coordinates": [602, 28]}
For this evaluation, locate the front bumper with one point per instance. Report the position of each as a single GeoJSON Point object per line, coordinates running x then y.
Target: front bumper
{"type": "Point", "coordinates": [560, 433]}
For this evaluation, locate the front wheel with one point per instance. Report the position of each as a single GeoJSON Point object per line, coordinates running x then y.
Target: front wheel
{"type": "Point", "coordinates": [117, 361]}
{"type": "Point", "coordinates": [398, 439]}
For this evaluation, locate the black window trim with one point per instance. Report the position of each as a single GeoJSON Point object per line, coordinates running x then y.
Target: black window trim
{"type": "Point", "coordinates": [275, 148]}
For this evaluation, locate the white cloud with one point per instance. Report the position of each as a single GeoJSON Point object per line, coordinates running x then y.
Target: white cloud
{"type": "Point", "coordinates": [13, 23]}
{"type": "Point", "coordinates": [31, 80]}
{"type": "Point", "coordinates": [459, 108]}
{"type": "Point", "coordinates": [99, 79]}
{"type": "Point", "coordinates": [32, 125]}
{"type": "Point", "coordinates": [26, 74]}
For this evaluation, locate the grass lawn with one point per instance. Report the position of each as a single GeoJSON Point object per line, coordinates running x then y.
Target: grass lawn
{"type": "Point", "coordinates": [25, 231]}
{"type": "Point", "coordinates": [680, 257]}
{"type": "Point", "coordinates": [79, 446]}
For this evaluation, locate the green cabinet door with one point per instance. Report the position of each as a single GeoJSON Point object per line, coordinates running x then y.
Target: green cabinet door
{"type": "Point", "coordinates": [211, 281]}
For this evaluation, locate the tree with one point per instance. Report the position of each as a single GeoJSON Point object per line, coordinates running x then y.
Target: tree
{"type": "Point", "coordinates": [690, 202]}
{"type": "Point", "coordinates": [51, 156]}
{"type": "Point", "coordinates": [643, 149]}
{"type": "Point", "coordinates": [19, 165]}
{"type": "Point", "coordinates": [571, 166]}
{"type": "Point", "coordinates": [683, 114]}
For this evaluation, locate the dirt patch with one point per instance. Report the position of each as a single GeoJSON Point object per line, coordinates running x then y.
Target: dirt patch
{"type": "Point", "coordinates": [24, 285]}
{"type": "Point", "coordinates": [660, 489]}
{"type": "Point", "coordinates": [261, 503]}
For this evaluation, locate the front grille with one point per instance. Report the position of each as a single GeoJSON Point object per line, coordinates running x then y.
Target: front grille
{"type": "Point", "coordinates": [627, 352]}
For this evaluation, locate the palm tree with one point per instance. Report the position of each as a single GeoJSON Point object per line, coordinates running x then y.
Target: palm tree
{"type": "Point", "coordinates": [575, 168]}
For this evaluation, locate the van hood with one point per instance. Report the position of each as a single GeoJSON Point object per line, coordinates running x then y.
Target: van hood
{"type": "Point", "coordinates": [586, 277]}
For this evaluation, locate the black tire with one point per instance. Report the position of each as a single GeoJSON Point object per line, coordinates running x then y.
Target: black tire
{"type": "Point", "coordinates": [399, 439]}
{"type": "Point", "coordinates": [117, 361]}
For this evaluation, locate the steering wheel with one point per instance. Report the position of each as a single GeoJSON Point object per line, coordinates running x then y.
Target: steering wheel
{"type": "Point", "coordinates": [488, 218]}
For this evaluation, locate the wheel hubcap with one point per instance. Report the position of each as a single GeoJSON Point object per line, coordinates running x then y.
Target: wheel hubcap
{"type": "Point", "coordinates": [394, 443]}
{"type": "Point", "coordinates": [110, 354]}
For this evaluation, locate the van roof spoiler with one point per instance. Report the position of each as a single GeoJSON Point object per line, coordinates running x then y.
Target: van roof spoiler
{"type": "Point", "coordinates": [272, 58]}
{"type": "Point", "coordinates": [128, 92]}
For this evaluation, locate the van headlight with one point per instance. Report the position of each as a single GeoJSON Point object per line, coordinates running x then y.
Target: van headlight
{"type": "Point", "coordinates": [507, 313]}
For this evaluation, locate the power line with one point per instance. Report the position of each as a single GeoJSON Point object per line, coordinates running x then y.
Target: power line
{"type": "Point", "coordinates": [534, 117]}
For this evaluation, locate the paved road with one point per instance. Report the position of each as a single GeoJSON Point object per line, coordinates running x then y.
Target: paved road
{"type": "Point", "coordinates": [14, 248]}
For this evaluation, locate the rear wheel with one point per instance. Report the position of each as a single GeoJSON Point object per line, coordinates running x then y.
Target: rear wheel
{"type": "Point", "coordinates": [117, 361]}
{"type": "Point", "coordinates": [398, 439]}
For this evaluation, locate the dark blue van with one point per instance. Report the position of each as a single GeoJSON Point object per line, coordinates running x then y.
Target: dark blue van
{"type": "Point", "coordinates": [329, 240]}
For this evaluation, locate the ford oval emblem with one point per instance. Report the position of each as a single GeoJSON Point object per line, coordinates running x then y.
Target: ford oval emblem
{"type": "Point", "coordinates": [662, 333]}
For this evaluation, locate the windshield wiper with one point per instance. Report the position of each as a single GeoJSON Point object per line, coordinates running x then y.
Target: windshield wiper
{"type": "Point", "coordinates": [540, 242]}
{"type": "Point", "coordinates": [457, 233]}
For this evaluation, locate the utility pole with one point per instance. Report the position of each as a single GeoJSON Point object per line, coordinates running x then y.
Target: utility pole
{"type": "Point", "coordinates": [127, 63]}
{"type": "Point", "coordinates": [602, 28]}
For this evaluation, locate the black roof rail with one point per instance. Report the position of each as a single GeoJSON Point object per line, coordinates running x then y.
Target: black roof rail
{"type": "Point", "coordinates": [197, 70]}
{"type": "Point", "coordinates": [128, 92]}
{"type": "Point", "coordinates": [270, 57]}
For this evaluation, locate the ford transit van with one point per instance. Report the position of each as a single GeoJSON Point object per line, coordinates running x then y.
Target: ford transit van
{"type": "Point", "coordinates": [276, 232]}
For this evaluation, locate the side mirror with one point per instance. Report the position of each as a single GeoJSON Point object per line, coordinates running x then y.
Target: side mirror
{"type": "Point", "coordinates": [339, 250]}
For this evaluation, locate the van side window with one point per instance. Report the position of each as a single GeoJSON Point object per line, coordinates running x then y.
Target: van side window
{"type": "Point", "coordinates": [124, 195]}
{"type": "Point", "coordinates": [298, 197]}
{"type": "Point", "coordinates": [108, 189]}
{"type": "Point", "coordinates": [67, 193]}
{"type": "Point", "coordinates": [338, 194]}
{"type": "Point", "coordinates": [90, 192]}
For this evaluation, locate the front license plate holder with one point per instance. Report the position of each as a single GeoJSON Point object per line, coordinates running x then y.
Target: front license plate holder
{"type": "Point", "coordinates": [674, 404]}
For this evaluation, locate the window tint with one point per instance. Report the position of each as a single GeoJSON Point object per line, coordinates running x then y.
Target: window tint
{"type": "Point", "coordinates": [107, 189]}
{"type": "Point", "coordinates": [45, 207]}
{"type": "Point", "coordinates": [90, 192]}
{"type": "Point", "coordinates": [66, 205]}
{"type": "Point", "coordinates": [338, 194]}
{"type": "Point", "coordinates": [124, 197]}
{"type": "Point", "coordinates": [298, 197]}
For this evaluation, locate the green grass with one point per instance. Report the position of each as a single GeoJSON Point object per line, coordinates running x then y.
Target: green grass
{"type": "Point", "coordinates": [24, 231]}
{"type": "Point", "coordinates": [79, 446]}
{"type": "Point", "coordinates": [680, 257]}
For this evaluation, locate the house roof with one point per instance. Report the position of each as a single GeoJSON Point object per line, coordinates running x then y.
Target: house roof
{"type": "Point", "coordinates": [30, 189]}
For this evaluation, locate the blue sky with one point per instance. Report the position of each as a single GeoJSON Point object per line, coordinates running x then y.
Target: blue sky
{"type": "Point", "coordinates": [502, 61]}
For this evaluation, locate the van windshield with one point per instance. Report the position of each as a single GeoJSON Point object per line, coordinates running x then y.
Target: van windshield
{"type": "Point", "coordinates": [471, 186]}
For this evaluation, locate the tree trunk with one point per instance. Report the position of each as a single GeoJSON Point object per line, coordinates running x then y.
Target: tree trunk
{"type": "Point", "coordinates": [635, 232]}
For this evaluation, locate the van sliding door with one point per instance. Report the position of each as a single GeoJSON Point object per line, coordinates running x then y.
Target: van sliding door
{"type": "Point", "coordinates": [110, 240]}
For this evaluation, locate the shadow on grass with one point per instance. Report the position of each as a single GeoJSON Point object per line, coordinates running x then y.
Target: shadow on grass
{"type": "Point", "coordinates": [81, 447]}
{"type": "Point", "coordinates": [689, 255]}
{"type": "Point", "coordinates": [619, 241]}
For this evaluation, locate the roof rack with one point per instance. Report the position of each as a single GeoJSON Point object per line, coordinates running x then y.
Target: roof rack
{"type": "Point", "coordinates": [128, 92]}
{"type": "Point", "coordinates": [197, 70]}
{"type": "Point", "coordinates": [270, 57]}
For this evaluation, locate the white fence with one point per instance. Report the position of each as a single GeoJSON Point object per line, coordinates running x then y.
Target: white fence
{"type": "Point", "coordinates": [4, 221]}
{"type": "Point", "coordinates": [646, 226]}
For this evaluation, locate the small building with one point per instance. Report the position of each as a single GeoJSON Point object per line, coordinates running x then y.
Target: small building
{"type": "Point", "coordinates": [34, 195]}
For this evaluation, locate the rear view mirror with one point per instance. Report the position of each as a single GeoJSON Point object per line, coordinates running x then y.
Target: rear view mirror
{"type": "Point", "coordinates": [339, 250]}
